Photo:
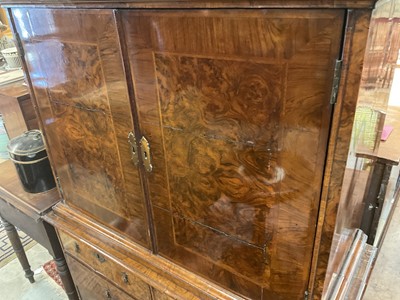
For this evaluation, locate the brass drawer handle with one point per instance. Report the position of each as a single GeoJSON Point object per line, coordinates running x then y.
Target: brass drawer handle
{"type": "Point", "coordinates": [108, 294]}
{"type": "Point", "coordinates": [146, 157]}
{"type": "Point", "coordinates": [99, 257]}
{"type": "Point", "coordinates": [134, 148]}
{"type": "Point", "coordinates": [77, 248]}
{"type": "Point", "coordinates": [125, 278]}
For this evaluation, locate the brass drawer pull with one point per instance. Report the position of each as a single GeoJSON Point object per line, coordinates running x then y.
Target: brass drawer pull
{"type": "Point", "coordinates": [145, 146]}
{"type": "Point", "coordinates": [108, 294]}
{"type": "Point", "coordinates": [134, 148]}
{"type": "Point", "coordinates": [77, 248]}
{"type": "Point", "coordinates": [125, 278]}
{"type": "Point", "coordinates": [99, 257]}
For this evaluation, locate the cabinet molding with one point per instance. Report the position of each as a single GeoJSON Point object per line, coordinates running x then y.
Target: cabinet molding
{"type": "Point", "coordinates": [194, 4]}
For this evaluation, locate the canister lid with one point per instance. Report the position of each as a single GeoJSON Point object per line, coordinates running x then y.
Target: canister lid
{"type": "Point", "coordinates": [28, 143]}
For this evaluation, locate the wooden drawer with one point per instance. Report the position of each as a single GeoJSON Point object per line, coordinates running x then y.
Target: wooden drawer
{"type": "Point", "coordinates": [91, 286]}
{"type": "Point", "coordinates": [105, 265]}
{"type": "Point", "coordinates": [157, 295]}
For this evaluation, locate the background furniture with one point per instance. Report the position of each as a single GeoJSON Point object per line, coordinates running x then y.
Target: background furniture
{"type": "Point", "coordinates": [199, 152]}
{"type": "Point", "coordinates": [25, 210]}
{"type": "Point", "coordinates": [17, 109]}
{"type": "Point", "coordinates": [376, 194]}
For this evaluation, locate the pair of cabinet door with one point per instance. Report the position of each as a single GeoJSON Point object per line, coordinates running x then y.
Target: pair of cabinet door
{"type": "Point", "coordinates": [235, 106]}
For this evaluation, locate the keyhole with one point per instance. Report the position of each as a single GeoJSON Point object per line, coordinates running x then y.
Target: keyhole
{"type": "Point", "coordinates": [145, 155]}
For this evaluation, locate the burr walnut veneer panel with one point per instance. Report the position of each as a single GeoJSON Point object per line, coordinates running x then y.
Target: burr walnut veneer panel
{"type": "Point", "coordinates": [236, 108]}
{"type": "Point", "coordinates": [79, 82]}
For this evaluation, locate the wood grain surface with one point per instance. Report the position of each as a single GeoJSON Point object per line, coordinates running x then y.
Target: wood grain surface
{"type": "Point", "coordinates": [161, 274]}
{"type": "Point", "coordinates": [235, 106]}
{"type": "Point", "coordinates": [342, 124]}
{"type": "Point", "coordinates": [194, 4]}
{"type": "Point", "coordinates": [78, 79]}
{"type": "Point", "coordinates": [106, 266]}
{"type": "Point", "coordinates": [237, 116]}
{"type": "Point", "coordinates": [91, 286]}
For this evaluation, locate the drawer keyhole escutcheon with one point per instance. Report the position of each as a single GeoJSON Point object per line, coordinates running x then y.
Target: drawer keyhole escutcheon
{"type": "Point", "coordinates": [146, 157]}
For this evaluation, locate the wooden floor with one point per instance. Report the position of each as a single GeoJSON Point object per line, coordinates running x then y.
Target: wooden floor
{"type": "Point", "coordinates": [19, 288]}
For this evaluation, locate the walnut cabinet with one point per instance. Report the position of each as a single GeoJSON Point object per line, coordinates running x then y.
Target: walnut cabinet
{"type": "Point", "coordinates": [198, 146]}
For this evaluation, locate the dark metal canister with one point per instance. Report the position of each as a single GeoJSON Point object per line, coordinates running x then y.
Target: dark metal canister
{"type": "Point", "coordinates": [29, 155]}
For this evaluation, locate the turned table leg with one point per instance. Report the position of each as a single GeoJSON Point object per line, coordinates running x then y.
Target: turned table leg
{"type": "Point", "coordinates": [18, 248]}
{"type": "Point", "coordinates": [65, 277]}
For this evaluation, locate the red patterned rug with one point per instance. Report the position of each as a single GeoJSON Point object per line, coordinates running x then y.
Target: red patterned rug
{"type": "Point", "coordinates": [51, 270]}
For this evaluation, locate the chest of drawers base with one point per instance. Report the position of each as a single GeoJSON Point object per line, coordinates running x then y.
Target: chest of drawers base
{"type": "Point", "coordinates": [125, 266]}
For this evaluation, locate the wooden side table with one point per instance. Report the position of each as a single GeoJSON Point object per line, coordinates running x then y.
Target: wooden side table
{"type": "Point", "coordinates": [25, 211]}
{"type": "Point", "coordinates": [386, 157]}
{"type": "Point", "coordinates": [376, 194]}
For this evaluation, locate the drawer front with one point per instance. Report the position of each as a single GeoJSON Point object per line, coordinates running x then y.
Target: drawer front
{"type": "Point", "coordinates": [157, 295]}
{"type": "Point", "coordinates": [91, 286]}
{"type": "Point", "coordinates": [106, 266]}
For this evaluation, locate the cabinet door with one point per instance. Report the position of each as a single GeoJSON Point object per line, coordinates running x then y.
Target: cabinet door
{"type": "Point", "coordinates": [78, 79]}
{"type": "Point", "coordinates": [236, 107]}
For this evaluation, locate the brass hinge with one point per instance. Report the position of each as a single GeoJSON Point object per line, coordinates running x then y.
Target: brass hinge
{"type": "Point", "coordinates": [59, 187]}
{"type": "Point", "coordinates": [336, 80]}
{"type": "Point", "coordinates": [306, 294]}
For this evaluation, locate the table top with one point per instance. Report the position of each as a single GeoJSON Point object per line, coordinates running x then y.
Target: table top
{"type": "Point", "coordinates": [12, 192]}
{"type": "Point", "coordinates": [390, 149]}
{"type": "Point", "coordinates": [15, 89]}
